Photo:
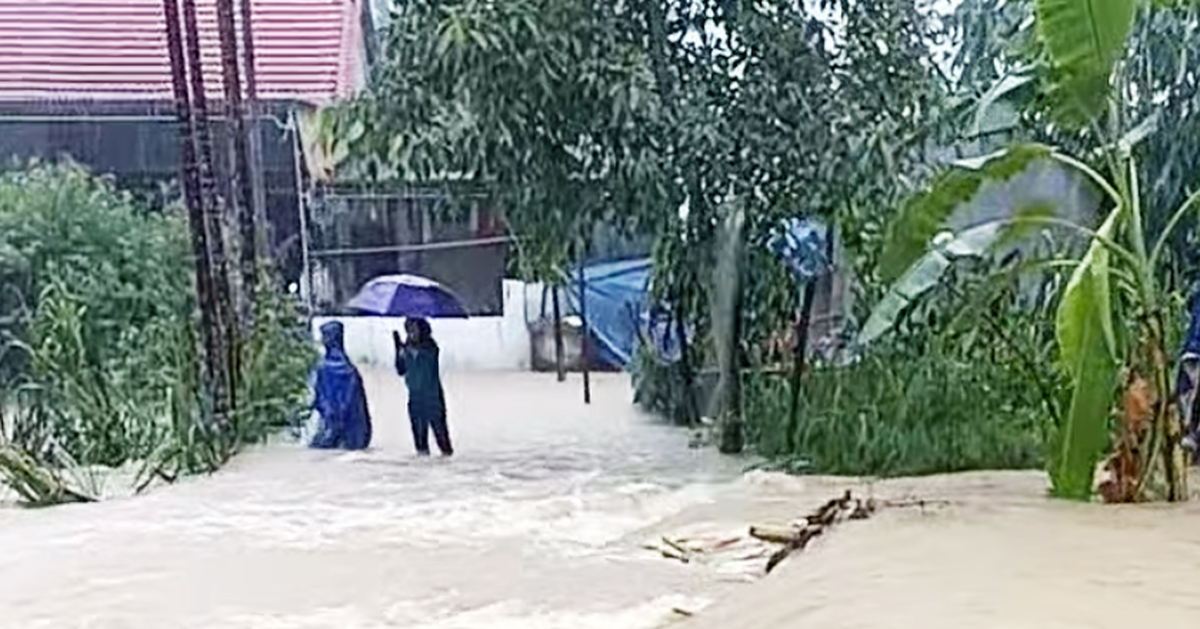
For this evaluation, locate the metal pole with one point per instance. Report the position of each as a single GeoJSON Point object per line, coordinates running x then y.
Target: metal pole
{"type": "Point", "coordinates": [428, 246]}
{"type": "Point", "coordinates": [302, 210]}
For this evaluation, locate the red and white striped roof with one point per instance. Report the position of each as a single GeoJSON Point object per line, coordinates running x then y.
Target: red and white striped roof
{"type": "Point", "coordinates": [308, 50]}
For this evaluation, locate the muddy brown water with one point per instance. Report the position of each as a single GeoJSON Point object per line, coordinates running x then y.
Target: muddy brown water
{"type": "Point", "coordinates": [998, 554]}
{"type": "Point", "coordinates": [532, 524]}
{"type": "Point", "coordinates": [539, 523]}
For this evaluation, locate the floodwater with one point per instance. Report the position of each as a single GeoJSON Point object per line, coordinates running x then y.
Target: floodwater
{"type": "Point", "coordinates": [996, 554]}
{"type": "Point", "coordinates": [539, 522]}
{"type": "Point", "coordinates": [534, 524]}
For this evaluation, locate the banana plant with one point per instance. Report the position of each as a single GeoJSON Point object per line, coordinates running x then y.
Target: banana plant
{"type": "Point", "coordinates": [1111, 319]}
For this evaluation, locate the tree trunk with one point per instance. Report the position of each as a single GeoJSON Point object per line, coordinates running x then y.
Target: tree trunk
{"type": "Point", "coordinates": [726, 327]}
{"type": "Point", "coordinates": [220, 305]}
{"type": "Point", "coordinates": [259, 196]}
{"type": "Point", "coordinates": [210, 329]}
{"type": "Point", "coordinates": [241, 190]}
{"type": "Point", "coordinates": [659, 45]}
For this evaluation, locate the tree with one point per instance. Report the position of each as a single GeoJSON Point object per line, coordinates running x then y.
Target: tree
{"type": "Point", "coordinates": [1121, 275]}
{"type": "Point", "coordinates": [240, 195]}
{"type": "Point", "coordinates": [541, 104]}
{"type": "Point", "coordinates": [661, 117]}
{"type": "Point", "coordinates": [212, 286]}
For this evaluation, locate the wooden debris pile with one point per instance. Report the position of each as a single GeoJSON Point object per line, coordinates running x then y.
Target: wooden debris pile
{"type": "Point", "coordinates": [734, 555]}
{"type": "Point", "coordinates": [797, 535]}
{"type": "Point", "coordinates": [743, 552]}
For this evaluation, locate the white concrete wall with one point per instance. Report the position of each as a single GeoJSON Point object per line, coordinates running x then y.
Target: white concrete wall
{"type": "Point", "coordinates": [474, 344]}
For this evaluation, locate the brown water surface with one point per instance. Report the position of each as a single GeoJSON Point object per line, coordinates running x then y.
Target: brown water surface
{"type": "Point", "coordinates": [529, 525]}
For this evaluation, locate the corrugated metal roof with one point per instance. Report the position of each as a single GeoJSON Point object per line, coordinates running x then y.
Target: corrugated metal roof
{"type": "Point", "coordinates": [309, 50]}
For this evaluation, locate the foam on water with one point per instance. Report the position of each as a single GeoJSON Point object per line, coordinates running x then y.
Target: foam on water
{"type": "Point", "coordinates": [434, 614]}
{"type": "Point", "coordinates": [532, 524]}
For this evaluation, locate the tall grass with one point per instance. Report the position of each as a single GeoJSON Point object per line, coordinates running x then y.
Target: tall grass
{"type": "Point", "coordinates": [99, 323]}
{"type": "Point", "coordinates": [892, 415]}
{"type": "Point", "coordinates": [963, 387]}
{"type": "Point", "coordinates": [967, 382]}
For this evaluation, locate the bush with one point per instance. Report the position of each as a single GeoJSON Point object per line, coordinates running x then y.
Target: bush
{"type": "Point", "coordinates": [967, 380]}
{"type": "Point", "coordinates": [99, 320]}
{"type": "Point", "coordinates": [897, 412]}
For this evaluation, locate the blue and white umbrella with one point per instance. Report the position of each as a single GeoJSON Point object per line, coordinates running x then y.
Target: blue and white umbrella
{"type": "Point", "coordinates": [407, 296]}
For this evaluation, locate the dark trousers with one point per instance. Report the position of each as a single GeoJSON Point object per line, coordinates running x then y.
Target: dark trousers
{"type": "Point", "coordinates": [422, 423]}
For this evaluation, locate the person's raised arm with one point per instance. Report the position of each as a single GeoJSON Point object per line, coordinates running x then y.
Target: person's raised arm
{"type": "Point", "coordinates": [401, 363]}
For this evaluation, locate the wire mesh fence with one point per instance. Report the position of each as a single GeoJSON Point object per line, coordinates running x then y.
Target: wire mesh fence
{"type": "Point", "coordinates": [351, 237]}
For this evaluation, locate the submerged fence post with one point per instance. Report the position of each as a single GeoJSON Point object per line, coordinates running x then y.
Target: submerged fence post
{"type": "Point", "coordinates": [585, 355]}
{"type": "Point", "coordinates": [801, 334]}
{"type": "Point", "coordinates": [558, 336]}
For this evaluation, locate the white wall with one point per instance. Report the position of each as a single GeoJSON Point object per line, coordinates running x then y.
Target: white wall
{"type": "Point", "coordinates": [474, 344]}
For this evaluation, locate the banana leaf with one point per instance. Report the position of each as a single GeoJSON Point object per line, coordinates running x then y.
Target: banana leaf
{"type": "Point", "coordinates": [924, 275]}
{"type": "Point", "coordinates": [1087, 352]}
{"type": "Point", "coordinates": [1084, 39]}
{"type": "Point", "coordinates": [925, 215]}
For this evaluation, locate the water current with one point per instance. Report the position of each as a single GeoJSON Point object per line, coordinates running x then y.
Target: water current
{"type": "Point", "coordinates": [534, 524]}
{"type": "Point", "coordinates": [540, 521]}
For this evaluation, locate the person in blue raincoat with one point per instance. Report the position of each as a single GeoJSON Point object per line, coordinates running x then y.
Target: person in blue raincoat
{"type": "Point", "coordinates": [417, 363]}
{"type": "Point", "coordinates": [339, 396]}
{"type": "Point", "coordinates": [1187, 379]}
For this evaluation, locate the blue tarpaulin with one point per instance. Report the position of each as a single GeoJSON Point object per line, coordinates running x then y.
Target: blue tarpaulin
{"type": "Point", "coordinates": [618, 306]}
{"type": "Point", "coordinates": [800, 243]}
{"type": "Point", "coordinates": [1189, 374]}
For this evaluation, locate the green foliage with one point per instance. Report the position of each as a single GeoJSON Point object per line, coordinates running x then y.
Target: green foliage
{"type": "Point", "coordinates": [545, 105]}
{"type": "Point", "coordinates": [1113, 102]}
{"type": "Point", "coordinates": [925, 214]}
{"type": "Point", "coordinates": [924, 275]}
{"type": "Point", "coordinates": [1084, 40]}
{"type": "Point", "coordinates": [999, 45]}
{"type": "Point", "coordinates": [91, 283]}
{"type": "Point", "coordinates": [899, 412]}
{"type": "Point", "coordinates": [1086, 347]}
{"type": "Point", "coordinates": [103, 364]}
{"type": "Point", "coordinates": [966, 381]}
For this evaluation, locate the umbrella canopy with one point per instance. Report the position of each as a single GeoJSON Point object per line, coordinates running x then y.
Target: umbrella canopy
{"type": "Point", "coordinates": [407, 296]}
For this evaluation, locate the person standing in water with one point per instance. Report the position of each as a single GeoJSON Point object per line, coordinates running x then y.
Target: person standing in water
{"type": "Point", "coordinates": [417, 362]}
{"type": "Point", "coordinates": [340, 398]}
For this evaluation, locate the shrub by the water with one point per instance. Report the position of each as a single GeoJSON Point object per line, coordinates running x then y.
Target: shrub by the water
{"type": "Point", "coordinates": [923, 401]}
{"type": "Point", "coordinates": [896, 415]}
{"type": "Point", "coordinates": [99, 319]}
